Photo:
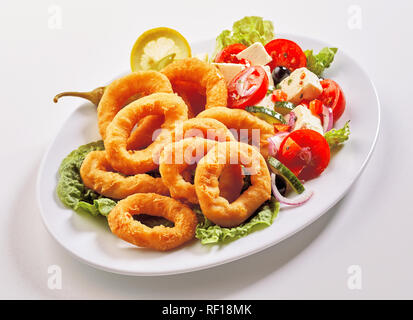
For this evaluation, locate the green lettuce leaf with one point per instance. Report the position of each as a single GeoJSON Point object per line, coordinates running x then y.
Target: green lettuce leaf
{"type": "Point", "coordinates": [336, 137]}
{"type": "Point", "coordinates": [246, 31]}
{"type": "Point", "coordinates": [71, 190]}
{"type": "Point", "coordinates": [101, 206]}
{"type": "Point", "coordinates": [321, 61]}
{"type": "Point", "coordinates": [209, 233]}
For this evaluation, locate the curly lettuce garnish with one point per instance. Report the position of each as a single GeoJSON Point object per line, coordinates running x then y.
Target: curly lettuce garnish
{"type": "Point", "coordinates": [336, 137]}
{"type": "Point", "coordinates": [247, 31]}
{"type": "Point", "coordinates": [71, 190]}
{"type": "Point", "coordinates": [209, 233]}
{"type": "Point", "coordinates": [317, 63]}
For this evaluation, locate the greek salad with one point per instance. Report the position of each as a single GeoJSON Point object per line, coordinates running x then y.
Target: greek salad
{"type": "Point", "coordinates": [279, 82]}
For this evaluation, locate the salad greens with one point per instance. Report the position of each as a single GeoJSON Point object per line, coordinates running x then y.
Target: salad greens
{"type": "Point", "coordinates": [336, 137]}
{"type": "Point", "coordinates": [71, 190]}
{"type": "Point", "coordinates": [247, 31]}
{"type": "Point", "coordinates": [317, 63]}
{"type": "Point", "coordinates": [209, 233]}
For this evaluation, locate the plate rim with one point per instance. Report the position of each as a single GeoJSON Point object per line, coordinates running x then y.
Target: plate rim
{"type": "Point", "coordinates": [238, 256]}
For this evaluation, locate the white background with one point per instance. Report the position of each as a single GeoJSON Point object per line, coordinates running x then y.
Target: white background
{"type": "Point", "coordinates": [371, 227]}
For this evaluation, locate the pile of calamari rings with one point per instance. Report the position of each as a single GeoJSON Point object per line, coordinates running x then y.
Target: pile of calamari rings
{"type": "Point", "coordinates": [164, 154]}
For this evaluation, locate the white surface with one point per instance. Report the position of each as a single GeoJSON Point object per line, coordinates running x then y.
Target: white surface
{"type": "Point", "coordinates": [371, 227]}
{"type": "Point", "coordinates": [92, 243]}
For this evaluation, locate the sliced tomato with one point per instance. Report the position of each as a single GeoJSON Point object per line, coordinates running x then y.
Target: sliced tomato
{"type": "Point", "coordinates": [285, 53]}
{"type": "Point", "coordinates": [333, 97]}
{"type": "Point", "coordinates": [305, 152]}
{"type": "Point", "coordinates": [248, 87]}
{"type": "Point", "coordinates": [229, 54]}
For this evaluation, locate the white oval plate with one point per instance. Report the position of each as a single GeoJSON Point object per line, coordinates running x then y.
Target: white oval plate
{"type": "Point", "coordinates": [90, 240]}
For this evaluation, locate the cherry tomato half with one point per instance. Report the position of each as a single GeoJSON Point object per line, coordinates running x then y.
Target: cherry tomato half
{"type": "Point", "coordinates": [248, 87]}
{"type": "Point", "coordinates": [333, 97]}
{"type": "Point", "coordinates": [285, 53]}
{"type": "Point", "coordinates": [228, 54]}
{"type": "Point", "coordinates": [305, 152]}
{"type": "Point", "coordinates": [290, 154]}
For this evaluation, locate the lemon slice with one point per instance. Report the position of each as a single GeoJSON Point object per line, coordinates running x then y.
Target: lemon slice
{"type": "Point", "coordinates": [156, 48]}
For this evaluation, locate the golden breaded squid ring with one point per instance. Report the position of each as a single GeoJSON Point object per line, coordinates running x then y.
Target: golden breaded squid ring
{"type": "Point", "coordinates": [160, 238]}
{"type": "Point", "coordinates": [231, 182]}
{"type": "Point", "coordinates": [204, 128]}
{"type": "Point", "coordinates": [175, 159]}
{"type": "Point", "coordinates": [180, 157]}
{"type": "Point", "coordinates": [143, 135]}
{"type": "Point", "coordinates": [98, 175]}
{"type": "Point", "coordinates": [239, 119]}
{"type": "Point", "coordinates": [130, 162]}
{"type": "Point", "coordinates": [193, 95]}
{"type": "Point", "coordinates": [206, 75]}
{"type": "Point", "coordinates": [117, 94]}
{"type": "Point", "coordinates": [215, 207]}
{"type": "Point", "coordinates": [185, 97]}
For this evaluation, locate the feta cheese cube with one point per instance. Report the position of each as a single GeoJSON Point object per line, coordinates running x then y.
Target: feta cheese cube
{"type": "Point", "coordinates": [229, 70]}
{"type": "Point", "coordinates": [256, 54]}
{"type": "Point", "coordinates": [266, 102]}
{"type": "Point", "coordinates": [301, 84]}
{"type": "Point", "coordinates": [306, 120]}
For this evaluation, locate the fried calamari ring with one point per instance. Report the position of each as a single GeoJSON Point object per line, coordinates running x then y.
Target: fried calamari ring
{"type": "Point", "coordinates": [193, 95]}
{"type": "Point", "coordinates": [98, 175]}
{"type": "Point", "coordinates": [180, 158]}
{"type": "Point", "coordinates": [240, 119]}
{"type": "Point", "coordinates": [143, 135]}
{"type": "Point", "coordinates": [185, 97]}
{"type": "Point", "coordinates": [169, 105]}
{"type": "Point", "coordinates": [204, 128]}
{"type": "Point", "coordinates": [207, 76]}
{"type": "Point", "coordinates": [231, 182]}
{"type": "Point", "coordinates": [118, 93]}
{"type": "Point", "coordinates": [160, 238]}
{"type": "Point", "coordinates": [175, 159]}
{"type": "Point", "coordinates": [216, 208]}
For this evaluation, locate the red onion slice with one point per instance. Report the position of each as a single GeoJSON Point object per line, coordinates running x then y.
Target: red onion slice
{"type": "Point", "coordinates": [327, 119]}
{"type": "Point", "coordinates": [274, 142]}
{"type": "Point", "coordinates": [272, 147]}
{"type": "Point", "coordinates": [291, 119]}
{"type": "Point", "coordinates": [296, 201]}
